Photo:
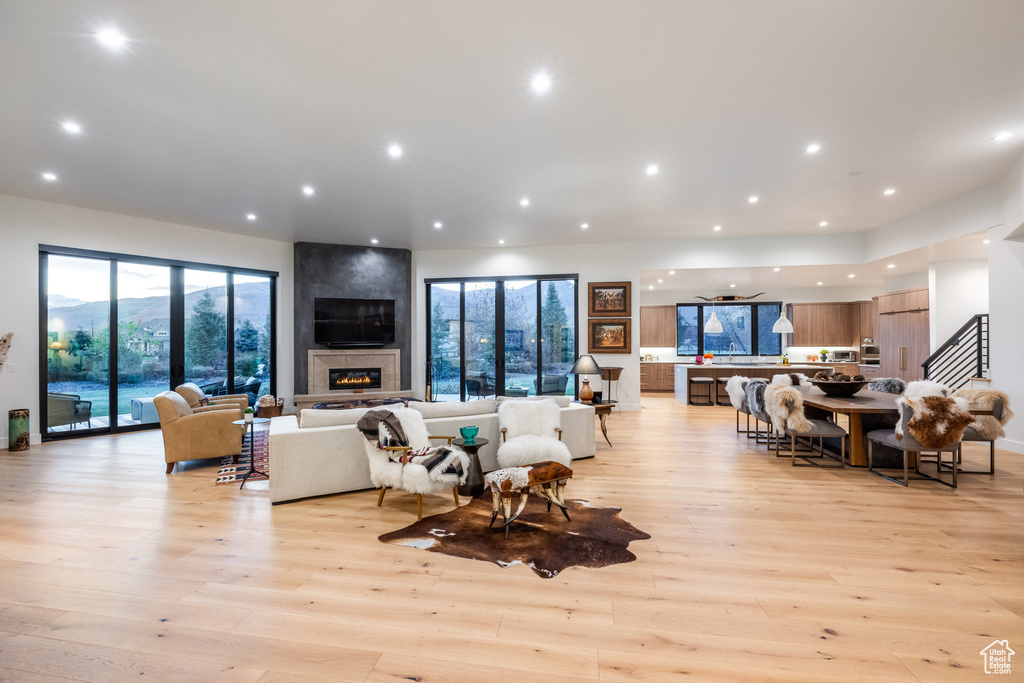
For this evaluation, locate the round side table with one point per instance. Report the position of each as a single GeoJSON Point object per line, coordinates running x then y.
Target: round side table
{"type": "Point", "coordinates": [252, 441]}
{"type": "Point", "coordinates": [474, 485]}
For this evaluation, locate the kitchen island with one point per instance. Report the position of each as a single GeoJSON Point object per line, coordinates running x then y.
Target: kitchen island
{"type": "Point", "coordinates": [684, 371]}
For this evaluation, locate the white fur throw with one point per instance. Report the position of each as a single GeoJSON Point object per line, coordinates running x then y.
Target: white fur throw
{"type": "Point", "coordinates": [530, 449]}
{"type": "Point", "coordinates": [540, 418]}
{"type": "Point", "coordinates": [736, 387]}
{"type": "Point", "coordinates": [785, 405]}
{"type": "Point", "coordinates": [791, 379]}
{"type": "Point", "coordinates": [923, 387]}
{"type": "Point", "coordinates": [988, 427]}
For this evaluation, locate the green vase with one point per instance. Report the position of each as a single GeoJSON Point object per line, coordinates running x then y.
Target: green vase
{"type": "Point", "coordinates": [17, 430]}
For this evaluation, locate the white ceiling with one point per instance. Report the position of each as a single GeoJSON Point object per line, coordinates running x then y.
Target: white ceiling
{"type": "Point", "coordinates": [221, 107]}
{"type": "Point", "coordinates": [704, 281]}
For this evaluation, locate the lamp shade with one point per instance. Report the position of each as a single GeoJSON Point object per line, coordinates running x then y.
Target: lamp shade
{"type": "Point", "coordinates": [713, 325]}
{"type": "Point", "coordinates": [586, 365]}
{"type": "Point", "coordinates": [782, 325]}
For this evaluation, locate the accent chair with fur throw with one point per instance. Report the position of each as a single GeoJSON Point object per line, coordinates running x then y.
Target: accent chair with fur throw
{"type": "Point", "coordinates": [531, 432]}
{"type": "Point", "coordinates": [986, 427]}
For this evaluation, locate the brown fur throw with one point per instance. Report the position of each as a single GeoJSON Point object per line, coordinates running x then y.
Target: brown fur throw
{"type": "Point", "coordinates": [785, 405]}
{"type": "Point", "coordinates": [989, 427]}
{"type": "Point", "coordinates": [938, 422]}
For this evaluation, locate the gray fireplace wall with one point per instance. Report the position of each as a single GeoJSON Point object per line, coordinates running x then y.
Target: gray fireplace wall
{"type": "Point", "coordinates": [346, 271]}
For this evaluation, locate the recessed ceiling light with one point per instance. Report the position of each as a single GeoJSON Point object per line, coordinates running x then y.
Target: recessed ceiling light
{"type": "Point", "coordinates": [820, 284]}
{"type": "Point", "coordinates": [985, 241]}
{"type": "Point", "coordinates": [671, 272]}
{"type": "Point", "coordinates": [823, 224]}
{"type": "Point", "coordinates": [501, 241]}
{"type": "Point", "coordinates": [374, 241]}
{"type": "Point", "coordinates": [71, 127]}
{"type": "Point", "coordinates": [251, 216]}
{"type": "Point", "coordinates": [851, 275]}
{"type": "Point", "coordinates": [541, 83]}
{"type": "Point", "coordinates": [775, 270]}
{"type": "Point", "coordinates": [308, 190]}
{"type": "Point", "coordinates": [733, 286]}
{"type": "Point", "coordinates": [584, 225]}
{"type": "Point", "coordinates": [650, 286]}
{"type": "Point", "coordinates": [753, 199]}
{"type": "Point", "coordinates": [49, 177]}
{"type": "Point", "coordinates": [652, 169]}
{"type": "Point", "coordinates": [717, 228]}
{"type": "Point", "coordinates": [111, 38]}
{"type": "Point", "coordinates": [438, 225]}
{"type": "Point", "coordinates": [891, 265]}
{"type": "Point", "coordinates": [395, 151]}
{"type": "Point", "coordinates": [1003, 136]}
{"type": "Point", "coordinates": [889, 191]}
{"type": "Point", "coordinates": [660, 281]}
{"type": "Point", "coordinates": [524, 202]}
{"type": "Point", "coordinates": [813, 148]}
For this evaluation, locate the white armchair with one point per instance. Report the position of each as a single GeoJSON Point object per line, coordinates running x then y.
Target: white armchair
{"type": "Point", "coordinates": [531, 432]}
{"type": "Point", "coordinates": [404, 474]}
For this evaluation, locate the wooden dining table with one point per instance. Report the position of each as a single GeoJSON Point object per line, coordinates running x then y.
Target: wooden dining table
{"type": "Point", "coordinates": [864, 402]}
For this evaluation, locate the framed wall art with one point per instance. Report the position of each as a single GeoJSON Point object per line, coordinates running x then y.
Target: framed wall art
{"type": "Point", "coordinates": [609, 300]}
{"type": "Point", "coordinates": [608, 336]}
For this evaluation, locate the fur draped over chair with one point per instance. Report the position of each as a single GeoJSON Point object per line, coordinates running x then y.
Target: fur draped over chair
{"type": "Point", "coordinates": [531, 432]}
{"type": "Point", "coordinates": [793, 379]}
{"type": "Point", "coordinates": [935, 422]}
{"type": "Point", "coordinates": [888, 385]}
{"type": "Point", "coordinates": [785, 405]}
{"type": "Point", "coordinates": [923, 387]}
{"type": "Point", "coordinates": [988, 427]}
{"type": "Point", "coordinates": [754, 395]}
{"type": "Point", "coordinates": [736, 388]}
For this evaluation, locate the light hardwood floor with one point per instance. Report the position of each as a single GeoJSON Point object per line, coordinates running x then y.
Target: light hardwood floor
{"type": "Point", "coordinates": [756, 571]}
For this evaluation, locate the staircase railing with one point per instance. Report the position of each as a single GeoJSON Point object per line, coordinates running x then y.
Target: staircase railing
{"type": "Point", "coordinates": [962, 356]}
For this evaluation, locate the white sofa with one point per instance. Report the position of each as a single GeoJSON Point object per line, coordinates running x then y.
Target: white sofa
{"type": "Point", "coordinates": [325, 454]}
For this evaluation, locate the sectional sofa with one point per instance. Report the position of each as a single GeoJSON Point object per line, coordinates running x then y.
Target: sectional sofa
{"type": "Point", "coordinates": [321, 452]}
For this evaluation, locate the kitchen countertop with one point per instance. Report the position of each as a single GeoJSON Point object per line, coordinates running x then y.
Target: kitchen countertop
{"type": "Point", "coordinates": [739, 366]}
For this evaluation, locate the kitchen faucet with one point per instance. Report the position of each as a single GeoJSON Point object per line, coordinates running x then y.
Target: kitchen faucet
{"type": "Point", "coordinates": [732, 347]}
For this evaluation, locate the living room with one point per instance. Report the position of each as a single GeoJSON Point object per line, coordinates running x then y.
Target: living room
{"type": "Point", "coordinates": [387, 152]}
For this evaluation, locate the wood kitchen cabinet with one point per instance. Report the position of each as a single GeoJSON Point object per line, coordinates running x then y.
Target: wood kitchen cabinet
{"type": "Point", "coordinates": [657, 376]}
{"type": "Point", "coordinates": [823, 324]}
{"type": "Point", "coordinates": [906, 300]}
{"type": "Point", "coordinates": [658, 326]}
{"type": "Point", "coordinates": [904, 343]}
{"type": "Point", "coordinates": [866, 311]}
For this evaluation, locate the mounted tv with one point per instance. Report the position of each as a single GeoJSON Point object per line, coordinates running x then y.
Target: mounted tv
{"type": "Point", "coordinates": [354, 322]}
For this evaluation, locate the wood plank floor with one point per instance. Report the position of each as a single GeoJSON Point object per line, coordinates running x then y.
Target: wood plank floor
{"type": "Point", "coordinates": [756, 570]}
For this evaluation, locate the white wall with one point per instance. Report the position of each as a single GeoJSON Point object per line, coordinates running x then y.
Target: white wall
{"type": "Point", "coordinates": [25, 224]}
{"type": "Point", "coordinates": [1006, 305]}
{"type": "Point", "coordinates": [957, 290]}
{"type": "Point", "coordinates": [897, 283]}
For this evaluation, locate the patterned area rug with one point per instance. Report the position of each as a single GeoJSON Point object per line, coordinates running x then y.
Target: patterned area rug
{"type": "Point", "coordinates": [543, 541]}
{"type": "Point", "coordinates": [231, 472]}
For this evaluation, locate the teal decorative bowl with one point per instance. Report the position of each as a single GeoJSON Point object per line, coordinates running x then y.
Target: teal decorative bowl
{"type": "Point", "coordinates": [469, 433]}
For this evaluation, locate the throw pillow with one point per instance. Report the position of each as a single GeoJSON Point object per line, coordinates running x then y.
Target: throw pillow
{"type": "Point", "coordinates": [204, 401]}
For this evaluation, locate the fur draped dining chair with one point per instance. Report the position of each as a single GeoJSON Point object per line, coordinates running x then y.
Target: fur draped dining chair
{"type": "Point", "coordinates": [986, 427]}
{"type": "Point", "coordinates": [785, 406]}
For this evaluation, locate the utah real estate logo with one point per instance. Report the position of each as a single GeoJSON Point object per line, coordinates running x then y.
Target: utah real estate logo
{"type": "Point", "coordinates": [997, 657]}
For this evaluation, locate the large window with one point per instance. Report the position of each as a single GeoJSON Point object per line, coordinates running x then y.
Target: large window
{"type": "Point", "coordinates": [170, 326]}
{"type": "Point", "coordinates": [501, 337]}
{"type": "Point", "coordinates": [746, 329]}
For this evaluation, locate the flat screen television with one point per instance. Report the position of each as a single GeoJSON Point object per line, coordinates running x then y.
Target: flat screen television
{"type": "Point", "coordinates": [354, 322]}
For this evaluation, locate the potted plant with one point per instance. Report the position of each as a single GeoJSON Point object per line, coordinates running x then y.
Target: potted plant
{"type": "Point", "coordinates": [249, 414]}
{"type": "Point", "coordinates": [824, 355]}
{"type": "Point", "coordinates": [709, 358]}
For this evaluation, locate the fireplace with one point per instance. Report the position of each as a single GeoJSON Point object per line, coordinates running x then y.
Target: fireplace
{"type": "Point", "coordinates": [354, 378]}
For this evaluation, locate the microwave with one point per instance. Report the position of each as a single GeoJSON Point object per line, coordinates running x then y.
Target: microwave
{"type": "Point", "coordinates": [844, 356]}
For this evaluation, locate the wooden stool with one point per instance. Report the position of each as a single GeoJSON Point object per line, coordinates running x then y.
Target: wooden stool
{"type": "Point", "coordinates": [705, 383]}
{"type": "Point", "coordinates": [546, 478]}
{"type": "Point", "coordinates": [720, 392]}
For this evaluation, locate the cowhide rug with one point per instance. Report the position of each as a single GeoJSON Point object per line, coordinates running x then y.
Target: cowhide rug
{"type": "Point", "coordinates": [544, 541]}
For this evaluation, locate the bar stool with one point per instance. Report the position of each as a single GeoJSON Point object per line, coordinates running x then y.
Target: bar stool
{"type": "Point", "coordinates": [705, 384]}
{"type": "Point", "coordinates": [720, 392]}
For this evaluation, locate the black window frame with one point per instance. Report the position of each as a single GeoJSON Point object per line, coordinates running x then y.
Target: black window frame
{"type": "Point", "coordinates": [754, 336]}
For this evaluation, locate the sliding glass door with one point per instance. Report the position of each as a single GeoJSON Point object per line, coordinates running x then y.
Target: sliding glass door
{"type": "Point", "coordinates": [504, 337]}
{"type": "Point", "coordinates": [170, 325]}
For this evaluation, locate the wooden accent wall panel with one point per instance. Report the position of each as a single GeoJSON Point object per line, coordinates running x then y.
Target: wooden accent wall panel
{"type": "Point", "coordinates": [658, 326]}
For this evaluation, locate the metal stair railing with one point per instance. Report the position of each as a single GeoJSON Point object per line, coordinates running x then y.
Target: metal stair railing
{"type": "Point", "coordinates": [961, 357]}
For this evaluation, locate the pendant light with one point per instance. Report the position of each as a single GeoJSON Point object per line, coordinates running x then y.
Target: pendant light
{"type": "Point", "coordinates": [782, 325]}
{"type": "Point", "coordinates": [713, 325]}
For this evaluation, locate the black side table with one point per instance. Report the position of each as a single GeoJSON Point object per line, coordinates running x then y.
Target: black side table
{"type": "Point", "coordinates": [474, 485]}
{"type": "Point", "coordinates": [252, 443]}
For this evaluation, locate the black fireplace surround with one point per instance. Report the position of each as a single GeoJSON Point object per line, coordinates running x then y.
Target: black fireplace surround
{"type": "Point", "coordinates": [353, 378]}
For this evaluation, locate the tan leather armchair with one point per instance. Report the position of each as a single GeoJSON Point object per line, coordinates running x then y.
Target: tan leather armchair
{"type": "Point", "coordinates": [194, 395]}
{"type": "Point", "coordinates": [191, 434]}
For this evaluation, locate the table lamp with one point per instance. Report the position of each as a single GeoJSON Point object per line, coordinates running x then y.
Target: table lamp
{"type": "Point", "coordinates": [586, 365]}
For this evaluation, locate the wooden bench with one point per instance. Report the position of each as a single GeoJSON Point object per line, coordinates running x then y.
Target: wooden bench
{"type": "Point", "coordinates": [548, 480]}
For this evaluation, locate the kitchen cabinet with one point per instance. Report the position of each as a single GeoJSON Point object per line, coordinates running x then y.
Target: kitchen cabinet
{"type": "Point", "coordinates": [866, 318]}
{"type": "Point", "coordinates": [657, 377]}
{"type": "Point", "coordinates": [871, 372]}
{"type": "Point", "coordinates": [904, 301]}
{"type": "Point", "coordinates": [658, 326]}
{"type": "Point", "coordinates": [904, 343]}
{"type": "Point", "coordinates": [823, 324]}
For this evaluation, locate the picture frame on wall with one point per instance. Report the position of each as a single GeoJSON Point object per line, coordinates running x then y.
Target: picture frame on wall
{"type": "Point", "coordinates": [609, 336]}
{"type": "Point", "coordinates": [609, 300]}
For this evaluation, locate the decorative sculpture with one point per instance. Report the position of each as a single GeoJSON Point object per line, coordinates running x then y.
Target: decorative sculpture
{"type": "Point", "coordinates": [728, 297]}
